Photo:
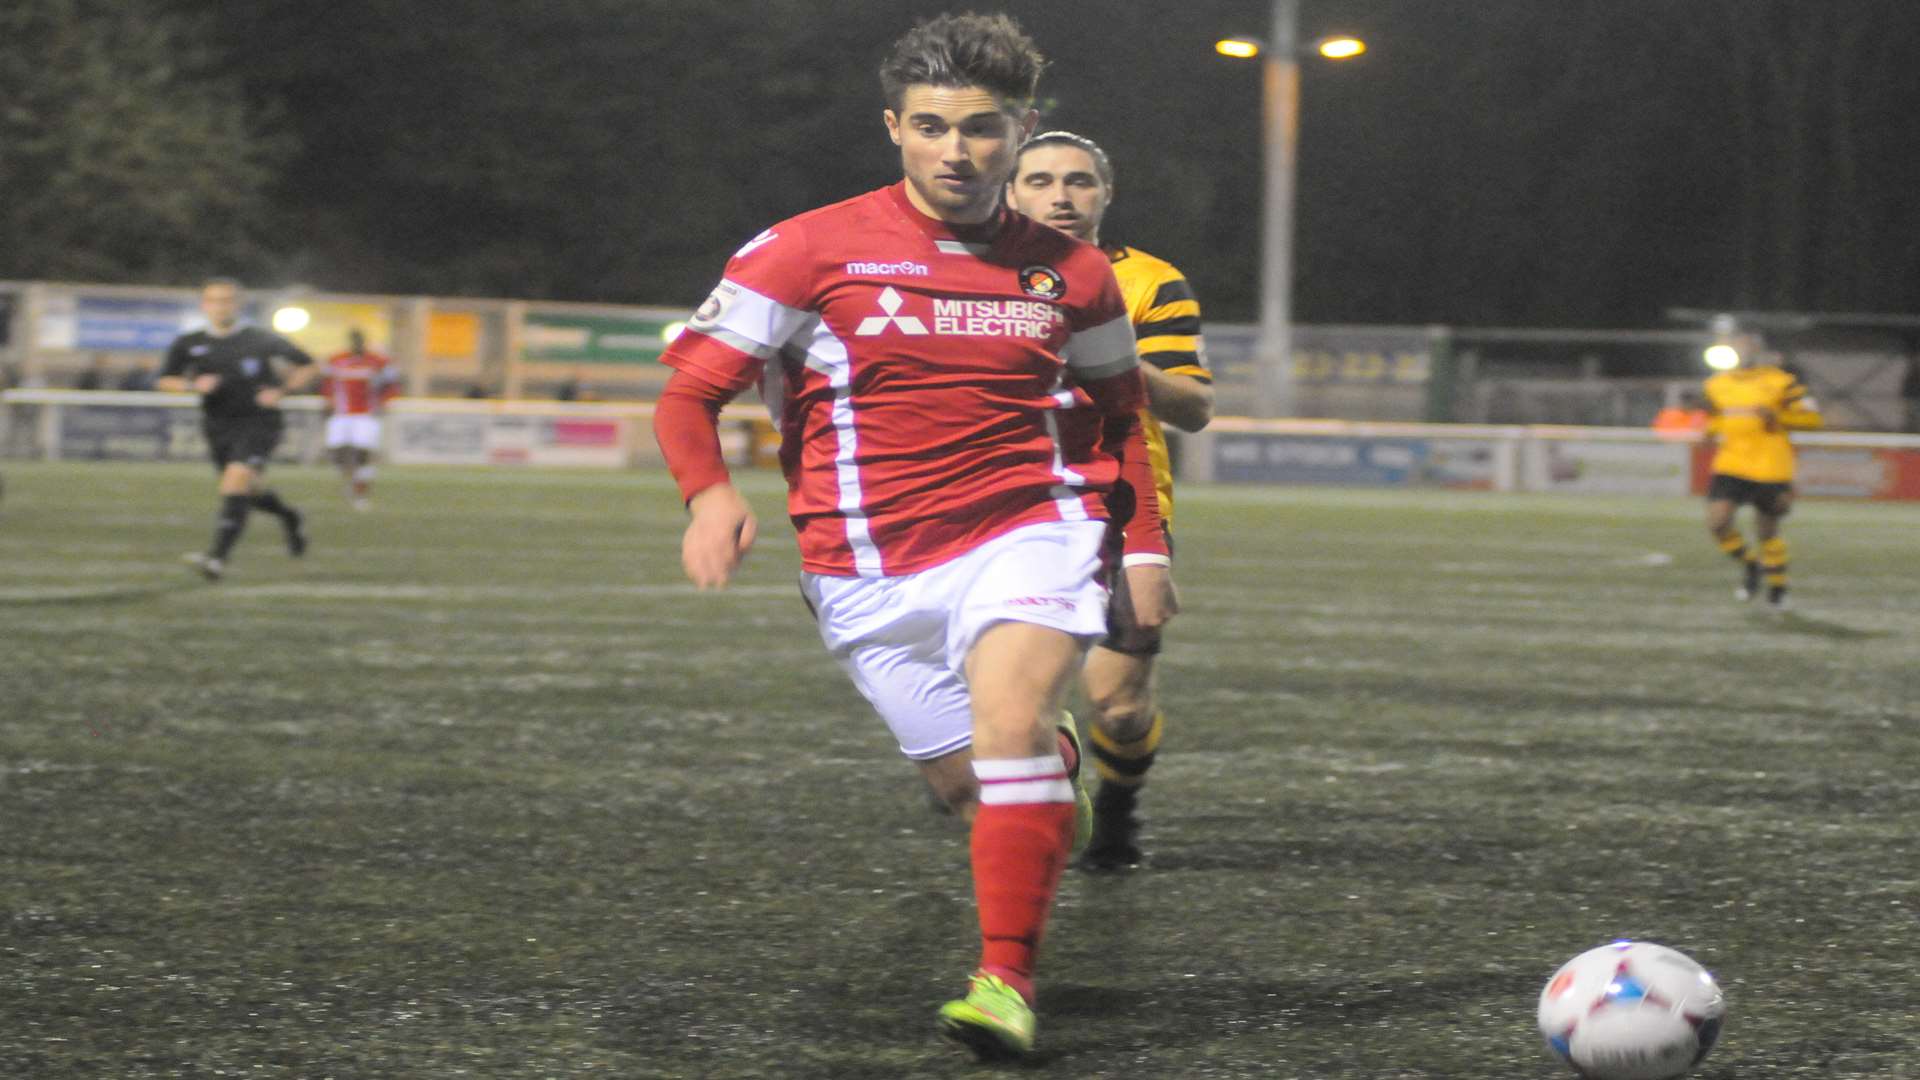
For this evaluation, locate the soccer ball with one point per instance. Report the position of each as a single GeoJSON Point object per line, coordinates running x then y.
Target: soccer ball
{"type": "Point", "coordinates": [1631, 1010]}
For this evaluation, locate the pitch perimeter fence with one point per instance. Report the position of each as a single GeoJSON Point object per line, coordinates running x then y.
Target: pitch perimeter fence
{"type": "Point", "coordinates": [140, 426]}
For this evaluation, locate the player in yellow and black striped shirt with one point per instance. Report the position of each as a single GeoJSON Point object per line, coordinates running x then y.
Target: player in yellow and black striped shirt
{"type": "Point", "coordinates": [1752, 407]}
{"type": "Point", "coordinates": [1065, 180]}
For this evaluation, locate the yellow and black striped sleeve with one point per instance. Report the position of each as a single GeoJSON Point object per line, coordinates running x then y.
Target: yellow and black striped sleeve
{"type": "Point", "coordinates": [1166, 330]}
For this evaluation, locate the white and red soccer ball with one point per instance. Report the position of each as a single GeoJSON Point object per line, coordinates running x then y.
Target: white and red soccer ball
{"type": "Point", "coordinates": [1631, 1010]}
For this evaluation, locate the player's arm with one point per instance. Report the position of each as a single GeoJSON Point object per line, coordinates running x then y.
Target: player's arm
{"type": "Point", "coordinates": [757, 307]}
{"type": "Point", "coordinates": [686, 424]}
{"type": "Point", "coordinates": [173, 370]}
{"type": "Point", "coordinates": [1182, 401]}
{"type": "Point", "coordinates": [1167, 336]}
{"type": "Point", "coordinates": [387, 388]}
{"type": "Point", "coordinates": [305, 372]}
{"type": "Point", "coordinates": [1146, 558]}
{"type": "Point", "coordinates": [1798, 410]}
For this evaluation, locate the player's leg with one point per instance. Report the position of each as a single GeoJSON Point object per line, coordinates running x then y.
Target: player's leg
{"type": "Point", "coordinates": [340, 448]}
{"type": "Point", "coordinates": [1031, 606]}
{"type": "Point", "coordinates": [1017, 674]}
{"type": "Point", "coordinates": [236, 501]}
{"type": "Point", "coordinates": [256, 447]}
{"type": "Point", "coordinates": [1722, 501]}
{"type": "Point", "coordinates": [366, 438]}
{"type": "Point", "coordinates": [1768, 513]}
{"type": "Point", "coordinates": [1126, 732]}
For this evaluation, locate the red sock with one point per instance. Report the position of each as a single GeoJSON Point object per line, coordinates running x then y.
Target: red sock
{"type": "Point", "coordinates": [1021, 836]}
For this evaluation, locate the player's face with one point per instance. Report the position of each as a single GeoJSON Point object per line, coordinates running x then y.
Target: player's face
{"type": "Point", "coordinates": [1060, 186]}
{"type": "Point", "coordinates": [957, 146]}
{"type": "Point", "coordinates": [221, 305]}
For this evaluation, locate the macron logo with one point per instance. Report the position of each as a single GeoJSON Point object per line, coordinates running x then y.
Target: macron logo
{"type": "Point", "coordinates": [890, 303]}
{"type": "Point", "coordinates": [892, 269]}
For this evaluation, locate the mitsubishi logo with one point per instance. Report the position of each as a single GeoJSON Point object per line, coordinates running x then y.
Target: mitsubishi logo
{"type": "Point", "coordinates": [890, 303]}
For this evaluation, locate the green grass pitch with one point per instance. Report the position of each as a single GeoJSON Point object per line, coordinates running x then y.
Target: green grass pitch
{"type": "Point", "coordinates": [480, 789]}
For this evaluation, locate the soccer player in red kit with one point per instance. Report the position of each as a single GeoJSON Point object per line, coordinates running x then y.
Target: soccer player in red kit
{"type": "Point", "coordinates": [356, 386]}
{"type": "Point", "coordinates": [918, 341]}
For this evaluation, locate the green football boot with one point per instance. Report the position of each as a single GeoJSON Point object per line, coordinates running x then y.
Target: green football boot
{"type": "Point", "coordinates": [993, 1020]}
{"type": "Point", "coordinates": [1082, 802]}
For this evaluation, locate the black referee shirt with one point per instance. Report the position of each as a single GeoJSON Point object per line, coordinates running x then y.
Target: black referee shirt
{"type": "Point", "coordinates": [246, 362]}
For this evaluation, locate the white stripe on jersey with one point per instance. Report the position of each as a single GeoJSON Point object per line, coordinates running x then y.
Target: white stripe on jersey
{"type": "Point", "coordinates": [749, 322]}
{"type": "Point", "coordinates": [958, 247]}
{"type": "Point", "coordinates": [1099, 352]}
{"type": "Point", "coordinates": [1066, 498]}
{"type": "Point", "coordinates": [827, 355]}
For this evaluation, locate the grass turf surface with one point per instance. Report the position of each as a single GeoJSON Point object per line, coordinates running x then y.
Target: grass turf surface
{"type": "Point", "coordinates": [480, 789]}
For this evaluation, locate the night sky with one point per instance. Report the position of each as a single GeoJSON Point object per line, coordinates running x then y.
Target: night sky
{"type": "Point", "coordinates": [1499, 162]}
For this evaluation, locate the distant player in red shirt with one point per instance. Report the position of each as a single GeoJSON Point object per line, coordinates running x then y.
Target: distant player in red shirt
{"type": "Point", "coordinates": [917, 342]}
{"type": "Point", "coordinates": [356, 386]}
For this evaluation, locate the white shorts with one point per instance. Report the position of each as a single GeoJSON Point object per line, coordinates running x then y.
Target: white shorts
{"type": "Point", "coordinates": [904, 640]}
{"type": "Point", "coordinates": [360, 431]}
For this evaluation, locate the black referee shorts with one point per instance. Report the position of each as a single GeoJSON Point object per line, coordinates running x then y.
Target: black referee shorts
{"type": "Point", "coordinates": [1738, 490]}
{"type": "Point", "coordinates": [248, 440]}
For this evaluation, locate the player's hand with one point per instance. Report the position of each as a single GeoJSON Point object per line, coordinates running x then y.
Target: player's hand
{"type": "Point", "coordinates": [205, 383]}
{"type": "Point", "coordinates": [268, 397]}
{"type": "Point", "coordinates": [718, 537]}
{"type": "Point", "coordinates": [1155, 602]}
{"type": "Point", "coordinates": [1769, 419]}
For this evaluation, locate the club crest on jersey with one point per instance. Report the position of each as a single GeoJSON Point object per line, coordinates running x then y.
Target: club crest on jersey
{"type": "Point", "coordinates": [710, 309]}
{"type": "Point", "coordinates": [250, 366]}
{"type": "Point", "coordinates": [1043, 281]}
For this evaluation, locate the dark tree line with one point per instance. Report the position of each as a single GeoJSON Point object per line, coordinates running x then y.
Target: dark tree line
{"type": "Point", "coordinates": [1582, 162]}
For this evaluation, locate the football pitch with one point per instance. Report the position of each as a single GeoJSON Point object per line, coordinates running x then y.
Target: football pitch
{"type": "Point", "coordinates": [481, 789]}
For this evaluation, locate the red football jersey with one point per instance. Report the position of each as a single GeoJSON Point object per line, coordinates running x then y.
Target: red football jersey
{"type": "Point", "coordinates": [354, 384]}
{"type": "Point", "coordinates": [918, 370]}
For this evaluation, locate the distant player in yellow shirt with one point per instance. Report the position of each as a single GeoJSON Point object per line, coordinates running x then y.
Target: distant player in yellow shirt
{"type": "Point", "coordinates": [1753, 406]}
{"type": "Point", "coordinates": [1066, 181]}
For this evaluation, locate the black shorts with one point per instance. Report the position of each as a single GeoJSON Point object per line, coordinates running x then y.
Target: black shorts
{"type": "Point", "coordinates": [248, 440]}
{"type": "Point", "coordinates": [1766, 498]}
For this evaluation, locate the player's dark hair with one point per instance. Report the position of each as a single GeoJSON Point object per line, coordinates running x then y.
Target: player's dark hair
{"type": "Point", "coordinates": [988, 51]}
{"type": "Point", "coordinates": [1079, 142]}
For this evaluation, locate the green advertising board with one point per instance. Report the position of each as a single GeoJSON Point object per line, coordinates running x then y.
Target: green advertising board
{"type": "Point", "coordinates": [549, 337]}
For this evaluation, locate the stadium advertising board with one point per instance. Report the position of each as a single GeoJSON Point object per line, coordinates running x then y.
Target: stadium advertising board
{"type": "Point", "coordinates": [1606, 466]}
{"type": "Point", "coordinates": [438, 438]}
{"type": "Point", "coordinates": [119, 432]}
{"type": "Point", "coordinates": [1859, 472]}
{"type": "Point", "coordinates": [557, 338]}
{"type": "Point", "coordinates": [114, 323]}
{"type": "Point", "coordinates": [107, 433]}
{"type": "Point", "coordinates": [1355, 461]}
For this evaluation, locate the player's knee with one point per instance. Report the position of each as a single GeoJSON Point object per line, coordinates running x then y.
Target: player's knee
{"type": "Point", "coordinates": [1123, 712]}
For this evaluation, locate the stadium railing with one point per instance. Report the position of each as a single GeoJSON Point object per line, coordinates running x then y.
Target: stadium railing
{"type": "Point", "coordinates": [118, 425]}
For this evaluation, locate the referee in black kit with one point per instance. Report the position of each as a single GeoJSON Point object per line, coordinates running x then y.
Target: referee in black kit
{"type": "Point", "coordinates": [234, 369]}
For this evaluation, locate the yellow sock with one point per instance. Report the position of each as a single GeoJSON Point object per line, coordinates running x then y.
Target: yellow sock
{"type": "Point", "coordinates": [1773, 562]}
{"type": "Point", "coordinates": [1126, 763]}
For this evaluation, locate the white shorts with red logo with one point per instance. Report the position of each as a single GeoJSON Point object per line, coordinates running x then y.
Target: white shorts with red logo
{"type": "Point", "coordinates": [904, 640]}
{"type": "Point", "coordinates": [348, 430]}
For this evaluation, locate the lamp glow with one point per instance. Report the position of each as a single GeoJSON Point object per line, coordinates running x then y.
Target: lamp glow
{"type": "Point", "coordinates": [1342, 48]}
{"type": "Point", "coordinates": [1238, 48]}
{"type": "Point", "coordinates": [291, 319]}
{"type": "Point", "coordinates": [672, 331]}
{"type": "Point", "coordinates": [1722, 357]}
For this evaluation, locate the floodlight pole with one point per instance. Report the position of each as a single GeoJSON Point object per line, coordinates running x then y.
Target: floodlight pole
{"type": "Point", "coordinates": [1280, 136]}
